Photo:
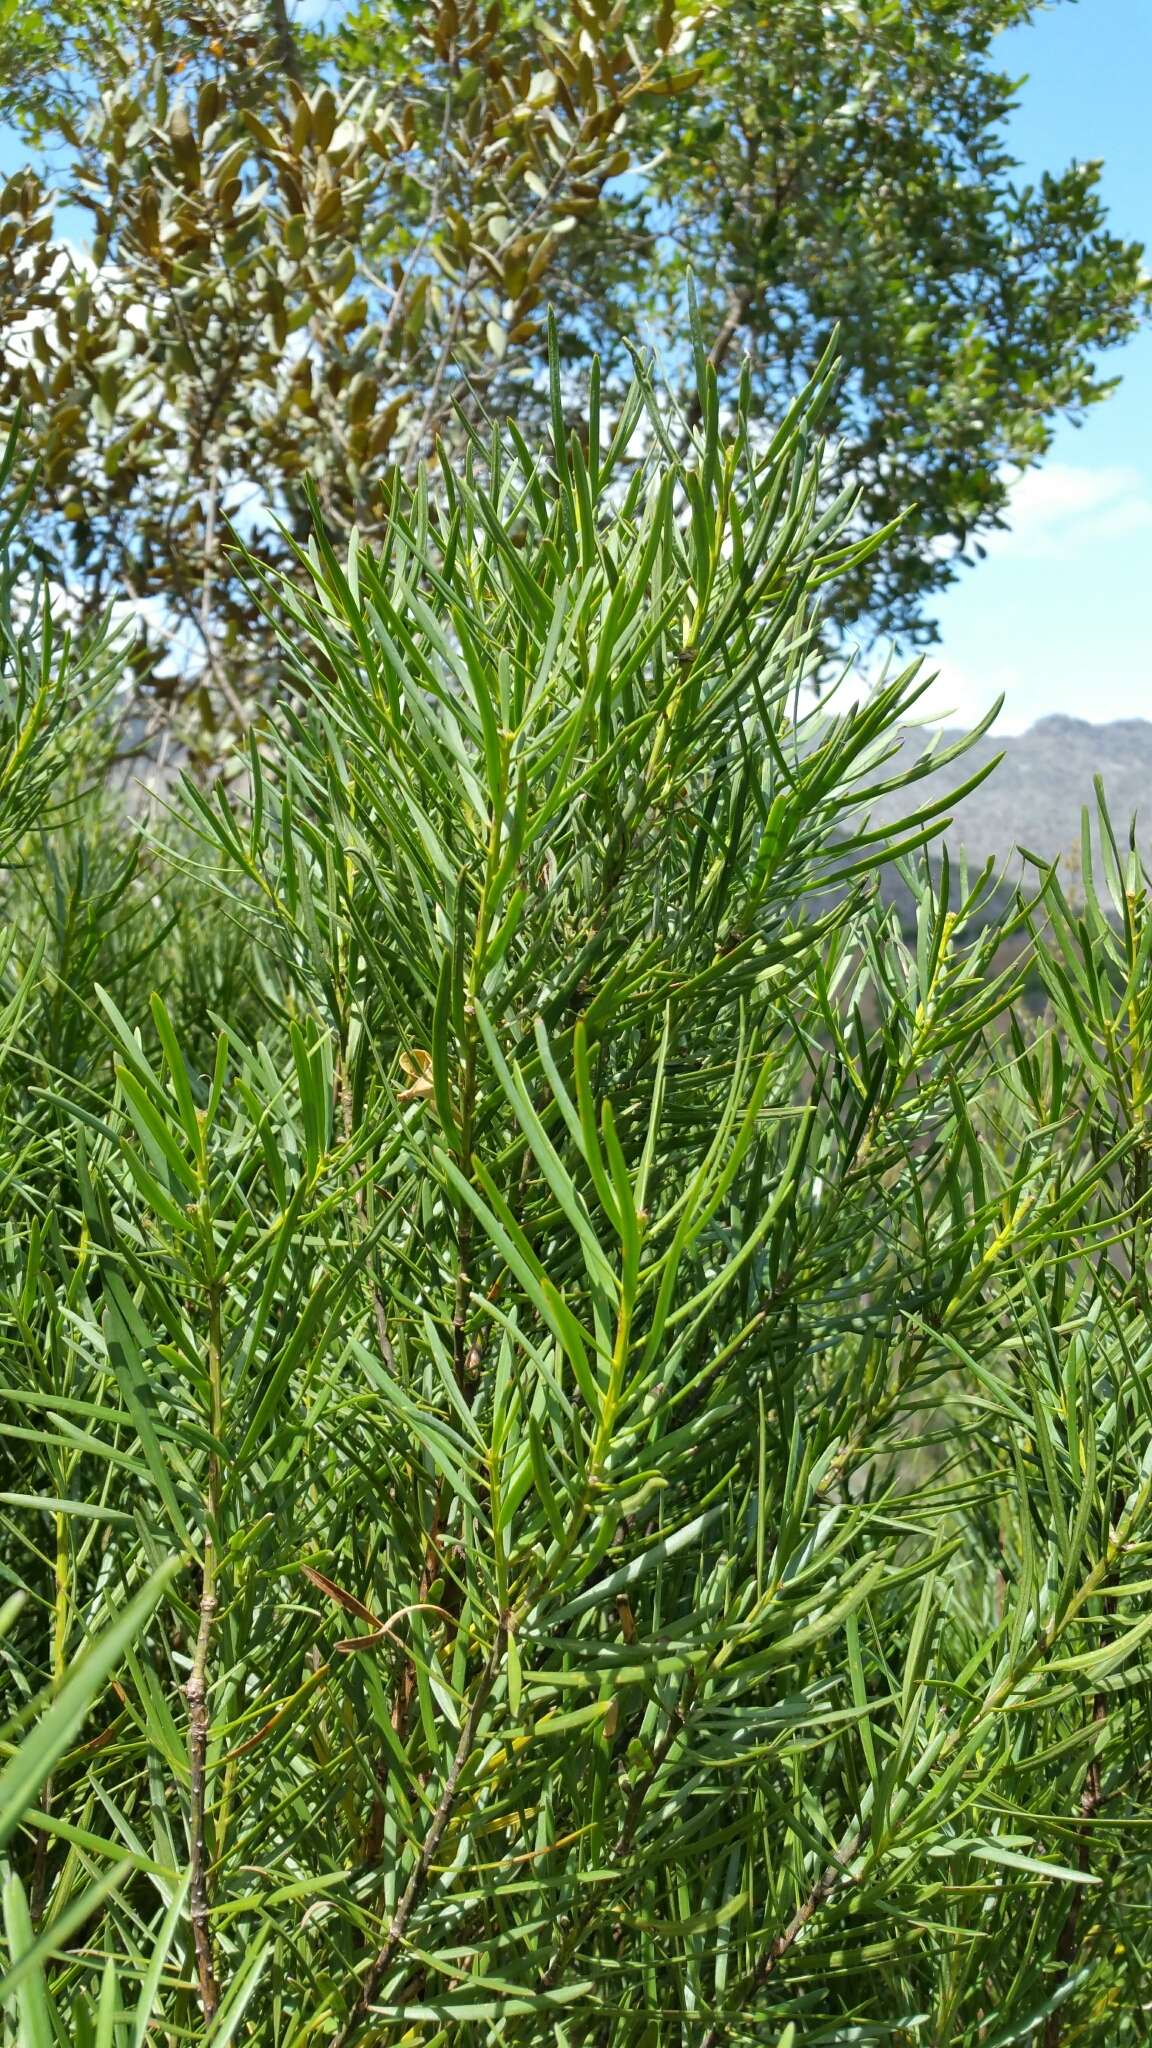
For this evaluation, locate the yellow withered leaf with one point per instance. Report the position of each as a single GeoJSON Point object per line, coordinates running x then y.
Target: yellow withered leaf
{"type": "Point", "coordinates": [417, 1068]}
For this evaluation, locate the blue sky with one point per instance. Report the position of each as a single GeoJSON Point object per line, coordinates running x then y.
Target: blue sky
{"type": "Point", "coordinates": [1057, 618]}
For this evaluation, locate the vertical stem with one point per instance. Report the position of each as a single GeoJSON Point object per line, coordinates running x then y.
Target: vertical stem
{"type": "Point", "coordinates": [1136, 1053]}
{"type": "Point", "coordinates": [463, 1293]}
{"type": "Point", "coordinates": [414, 1889]}
{"type": "Point", "coordinates": [738, 304]}
{"type": "Point", "coordinates": [465, 1358]}
{"type": "Point", "coordinates": [196, 1690]}
{"type": "Point", "coordinates": [429, 415]}
{"type": "Point", "coordinates": [211, 516]}
{"type": "Point", "coordinates": [1068, 1943]}
{"type": "Point", "coordinates": [283, 41]}
{"type": "Point", "coordinates": [198, 1730]}
{"type": "Point", "coordinates": [59, 1667]}
{"type": "Point", "coordinates": [343, 1090]}
{"type": "Point", "coordinates": [201, 615]}
{"type": "Point", "coordinates": [60, 1610]}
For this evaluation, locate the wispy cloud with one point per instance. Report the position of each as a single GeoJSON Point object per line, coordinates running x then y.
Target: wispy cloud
{"type": "Point", "coordinates": [1061, 508]}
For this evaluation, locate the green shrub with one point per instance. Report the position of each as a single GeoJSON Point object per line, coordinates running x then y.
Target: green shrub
{"type": "Point", "coordinates": [578, 1411]}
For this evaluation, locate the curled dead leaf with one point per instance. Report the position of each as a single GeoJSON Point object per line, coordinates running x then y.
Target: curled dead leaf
{"type": "Point", "coordinates": [417, 1068]}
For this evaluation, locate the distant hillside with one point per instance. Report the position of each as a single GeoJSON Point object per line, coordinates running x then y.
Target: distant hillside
{"type": "Point", "coordinates": [1035, 797]}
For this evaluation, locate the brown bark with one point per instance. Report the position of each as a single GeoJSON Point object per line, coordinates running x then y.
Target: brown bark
{"type": "Point", "coordinates": [284, 41]}
{"type": "Point", "coordinates": [413, 1891]}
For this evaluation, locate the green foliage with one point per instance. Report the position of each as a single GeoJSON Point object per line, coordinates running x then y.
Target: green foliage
{"type": "Point", "coordinates": [578, 1410]}
{"type": "Point", "coordinates": [310, 251]}
{"type": "Point", "coordinates": [42, 673]}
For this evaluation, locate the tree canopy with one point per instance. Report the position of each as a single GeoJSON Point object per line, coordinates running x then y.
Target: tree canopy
{"type": "Point", "coordinates": [320, 254]}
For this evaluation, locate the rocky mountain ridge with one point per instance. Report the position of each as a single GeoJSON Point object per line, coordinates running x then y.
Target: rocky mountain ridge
{"type": "Point", "coordinates": [1035, 797]}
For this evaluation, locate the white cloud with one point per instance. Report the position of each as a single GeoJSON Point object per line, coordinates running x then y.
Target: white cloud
{"type": "Point", "coordinates": [958, 697]}
{"type": "Point", "coordinates": [1060, 508]}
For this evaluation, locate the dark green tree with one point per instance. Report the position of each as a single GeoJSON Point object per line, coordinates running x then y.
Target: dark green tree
{"type": "Point", "coordinates": [295, 271]}
{"type": "Point", "coordinates": [312, 251]}
{"type": "Point", "coordinates": [849, 165]}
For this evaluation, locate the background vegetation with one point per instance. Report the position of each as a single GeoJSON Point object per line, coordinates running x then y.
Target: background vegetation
{"type": "Point", "coordinates": [239, 256]}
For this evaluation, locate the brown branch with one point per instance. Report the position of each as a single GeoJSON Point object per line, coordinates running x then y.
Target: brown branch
{"type": "Point", "coordinates": [623, 1844]}
{"type": "Point", "coordinates": [435, 1564]}
{"type": "Point", "coordinates": [740, 300]}
{"type": "Point", "coordinates": [430, 1570]}
{"type": "Point", "coordinates": [428, 417]}
{"type": "Point", "coordinates": [192, 614]}
{"type": "Point", "coordinates": [414, 1888]}
{"type": "Point", "coordinates": [284, 42]}
{"type": "Point", "coordinates": [821, 1891]}
{"type": "Point", "coordinates": [738, 305]}
{"type": "Point", "coordinates": [400, 292]}
{"type": "Point", "coordinates": [643, 1786]}
{"type": "Point", "coordinates": [211, 517]}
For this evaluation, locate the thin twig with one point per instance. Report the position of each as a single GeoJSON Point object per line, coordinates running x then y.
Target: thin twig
{"type": "Point", "coordinates": [380, 1313]}
{"type": "Point", "coordinates": [461, 1354]}
{"type": "Point", "coordinates": [1126, 1518]}
{"type": "Point", "coordinates": [729, 328]}
{"type": "Point", "coordinates": [199, 1725]}
{"type": "Point", "coordinates": [1069, 1937]}
{"type": "Point", "coordinates": [413, 1890]}
{"type": "Point", "coordinates": [284, 42]}
{"type": "Point", "coordinates": [428, 418]}
{"type": "Point", "coordinates": [821, 1891]}
{"type": "Point", "coordinates": [431, 221]}
{"type": "Point", "coordinates": [622, 1846]}
{"type": "Point", "coordinates": [196, 1692]}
